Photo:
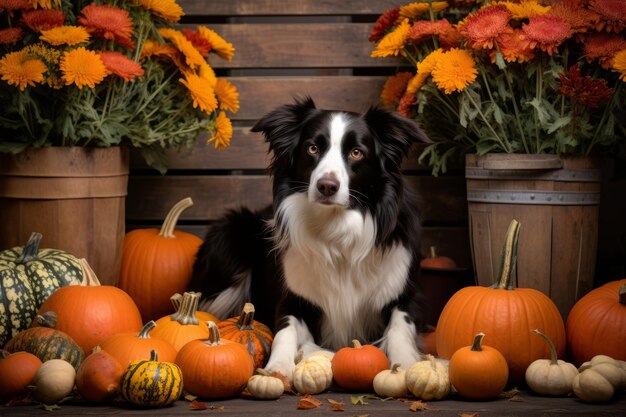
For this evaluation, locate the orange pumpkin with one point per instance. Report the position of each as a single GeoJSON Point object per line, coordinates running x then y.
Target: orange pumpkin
{"type": "Point", "coordinates": [183, 326]}
{"type": "Point", "coordinates": [354, 368]}
{"type": "Point", "coordinates": [215, 368]}
{"type": "Point", "coordinates": [157, 263]}
{"type": "Point", "coordinates": [92, 313]}
{"type": "Point", "coordinates": [506, 314]}
{"type": "Point", "coordinates": [254, 335]}
{"type": "Point", "coordinates": [98, 377]}
{"type": "Point", "coordinates": [18, 370]}
{"type": "Point", "coordinates": [127, 347]}
{"type": "Point", "coordinates": [596, 324]}
{"type": "Point", "coordinates": [435, 261]}
{"type": "Point", "coordinates": [478, 372]}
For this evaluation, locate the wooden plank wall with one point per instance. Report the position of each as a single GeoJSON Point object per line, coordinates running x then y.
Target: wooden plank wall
{"type": "Point", "coordinates": [284, 49]}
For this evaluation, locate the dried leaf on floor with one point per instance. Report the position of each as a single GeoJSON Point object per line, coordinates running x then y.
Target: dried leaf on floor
{"type": "Point", "coordinates": [50, 407]}
{"type": "Point", "coordinates": [468, 414]}
{"type": "Point", "coordinates": [190, 397]}
{"type": "Point", "coordinates": [216, 407]}
{"type": "Point", "coordinates": [336, 405]}
{"type": "Point", "coordinates": [358, 400]}
{"type": "Point", "coordinates": [308, 401]}
{"type": "Point", "coordinates": [418, 405]}
{"type": "Point", "coordinates": [197, 405]}
{"type": "Point", "coordinates": [512, 395]}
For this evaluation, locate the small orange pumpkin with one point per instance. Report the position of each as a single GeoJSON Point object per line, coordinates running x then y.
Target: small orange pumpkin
{"type": "Point", "coordinates": [18, 370]}
{"type": "Point", "coordinates": [157, 263]}
{"type": "Point", "coordinates": [596, 324]}
{"type": "Point", "coordinates": [354, 368]}
{"type": "Point", "coordinates": [435, 261]}
{"type": "Point", "coordinates": [254, 335]}
{"type": "Point", "coordinates": [478, 372]}
{"type": "Point", "coordinates": [182, 326]}
{"type": "Point", "coordinates": [215, 368]}
{"type": "Point", "coordinates": [98, 377]}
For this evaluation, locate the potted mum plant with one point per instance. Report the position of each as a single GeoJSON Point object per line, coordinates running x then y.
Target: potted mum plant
{"type": "Point", "coordinates": [525, 91]}
{"type": "Point", "coordinates": [86, 81]}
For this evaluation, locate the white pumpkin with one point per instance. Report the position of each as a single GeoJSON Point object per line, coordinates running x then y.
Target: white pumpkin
{"type": "Point", "coordinates": [428, 379]}
{"type": "Point", "coordinates": [591, 386]}
{"type": "Point", "coordinates": [391, 382]}
{"type": "Point", "coordinates": [313, 374]}
{"type": "Point", "coordinates": [550, 376]}
{"type": "Point", "coordinates": [54, 381]}
{"type": "Point", "coordinates": [264, 386]}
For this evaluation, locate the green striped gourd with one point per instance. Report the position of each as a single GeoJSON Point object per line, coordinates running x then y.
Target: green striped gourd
{"type": "Point", "coordinates": [46, 342]}
{"type": "Point", "coordinates": [27, 278]}
{"type": "Point", "coordinates": [150, 383]}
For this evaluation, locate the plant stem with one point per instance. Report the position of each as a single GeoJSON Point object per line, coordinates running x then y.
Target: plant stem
{"type": "Point", "coordinates": [504, 145]}
{"type": "Point", "coordinates": [607, 110]}
{"type": "Point", "coordinates": [518, 121]}
{"type": "Point", "coordinates": [538, 88]}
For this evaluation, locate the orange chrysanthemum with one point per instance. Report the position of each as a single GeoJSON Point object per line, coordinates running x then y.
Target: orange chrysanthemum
{"type": "Point", "coordinates": [424, 70]}
{"type": "Point", "coordinates": [406, 104]}
{"type": "Point", "coordinates": [12, 5]}
{"type": "Point", "coordinates": [45, 4]}
{"type": "Point", "coordinates": [602, 47]}
{"type": "Point", "coordinates": [201, 92]}
{"type": "Point", "coordinates": [513, 47]}
{"type": "Point", "coordinates": [450, 39]}
{"type": "Point", "coordinates": [51, 57]}
{"type": "Point", "coordinates": [223, 131]}
{"type": "Point", "coordinates": [11, 35]}
{"type": "Point", "coordinates": [108, 22]}
{"type": "Point", "coordinates": [153, 48]}
{"type": "Point", "coordinates": [121, 65]}
{"type": "Point", "coordinates": [483, 27]}
{"type": "Point", "coordinates": [38, 20]}
{"type": "Point", "coordinates": [222, 48]}
{"type": "Point", "coordinates": [65, 35]}
{"type": "Point", "coordinates": [579, 18]}
{"type": "Point", "coordinates": [394, 88]}
{"type": "Point", "coordinates": [206, 72]}
{"type": "Point", "coordinates": [383, 24]}
{"type": "Point", "coordinates": [193, 58]}
{"type": "Point", "coordinates": [18, 68]}
{"type": "Point", "coordinates": [455, 69]}
{"type": "Point", "coordinates": [165, 9]}
{"type": "Point", "coordinates": [393, 42]}
{"type": "Point", "coordinates": [525, 9]}
{"type": "Point", "coordinates": [82, 67]}
{"type": "Point", "coordinates": [413, 10]}
{"type": "Point", "coordinates": [612, 14]}
{"type": "Point", "coordinates": [227, 95]}
{"type": "Point", "coordinates": [424, 29]}
{"type": "Point", "coordinates": [546, 32]}
{"type": "Point", "coordinates": [201, 44]}
{"type": "Point", "coordinates": [619, 64]}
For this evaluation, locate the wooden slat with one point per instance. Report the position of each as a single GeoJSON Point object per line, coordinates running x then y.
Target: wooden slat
{"type": "Point", "coordinates": [308, 45]}
{"type": "Point", "coordinates": [150, 197]}
{"type": "Point", "coordinates": [285, 7]}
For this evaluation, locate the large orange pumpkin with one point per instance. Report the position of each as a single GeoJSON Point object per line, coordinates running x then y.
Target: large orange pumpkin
{"type": "Point", "coordinates": [92, 313]}
{"type": "Point", "coordinates": [157, 263]}
{"type": "Point", "coordinates": [254, 335]}
{"type": "Point", "coordinates": [506, 314]}
{"type": "Point", "coordinates": [183, 326]}
{"type": "Point", "coordinates": [596, 324]}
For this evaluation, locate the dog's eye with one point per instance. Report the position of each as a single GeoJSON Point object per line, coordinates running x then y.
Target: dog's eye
{"type": "Point", "coordinates": [357, 154]}
{"type": "Point", "coordinates": [312, 149]}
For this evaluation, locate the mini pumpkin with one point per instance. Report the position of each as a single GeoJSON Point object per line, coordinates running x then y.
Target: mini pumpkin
{"type": "Point", "coordinates": [435, 261]}
{"type": "Point", "coordinates": [264, 386]}
{"type": "Point", "coordinates": [591, 386]}
{"type": "Point", "coordinates": [354, 368]}
{"type": "Point", "coordinates": [183, 326]}
{"type": "Point", "coordinates": [391, 382]}
{"type": "Point", "coordinates": [18, 370]}
{"type": "Point", "coordinates": [428, 379]}
{"type": "Point", "coordinates": [98, 377]}
{"type": "Point", "coordinates": [53, 381]}
{"type": "Point", "coordinates": [313, 374]}
{"type": "Point", "coordinates": [550, 376]}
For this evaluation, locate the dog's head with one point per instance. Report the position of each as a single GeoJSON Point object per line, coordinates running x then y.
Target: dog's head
{"type": "Point", "coordinates": [338, 158]}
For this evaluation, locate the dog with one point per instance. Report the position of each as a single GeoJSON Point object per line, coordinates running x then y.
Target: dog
{"type": "Point", "coordinates": [336, 256]}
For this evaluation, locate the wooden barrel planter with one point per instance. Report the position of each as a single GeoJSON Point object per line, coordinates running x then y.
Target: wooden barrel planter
{"type": "Point", "coordinates": [556, 200]}
{"type": "Point", "coordinates": [75, 197]}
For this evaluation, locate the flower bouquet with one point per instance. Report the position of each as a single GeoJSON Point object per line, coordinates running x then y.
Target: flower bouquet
{"type": "Point", "coordinates": [109, 73]}
{"type": "Point", "coordinates": [528, 76]}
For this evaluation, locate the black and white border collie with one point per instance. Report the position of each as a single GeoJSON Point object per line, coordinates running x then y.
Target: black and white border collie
{"type": "Point", "coordinates": [336, 258]}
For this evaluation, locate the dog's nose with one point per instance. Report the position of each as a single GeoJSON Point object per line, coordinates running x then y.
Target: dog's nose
{"type": "Point", "coordinates": [328, 185]}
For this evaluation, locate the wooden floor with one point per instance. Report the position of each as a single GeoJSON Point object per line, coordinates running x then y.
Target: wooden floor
{"type": "Point", "coordinates": [525, 404]}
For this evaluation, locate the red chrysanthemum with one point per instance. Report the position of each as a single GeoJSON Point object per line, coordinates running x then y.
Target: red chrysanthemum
{"type": "Point", "coordinates": [450, 39]}
{"type": "Point", "coordinates": [198, 41]}
{"type": "Point", "coordinates": [579, 18]}
{"type": "Point", "coordinates": [602, 47]}
{"type": "Point", "coordinates": [583, 90]}
{"type": "Point", "coordinates": [407, 101]}
{"type": "Point", "coordinates": [108, 22]}
{"type": "Point", "coordinates": [43, 19]}
{"type": "Point", "coordinates": [11, 35]}
{"type": "Point", "coordinates": [612, 14]}
{"type": "Point", "coordinates": [383, 24]}
{"type": "Point", "coordinates": [424, 29]}
{"type": "Point", "coordinates": [11, 5]}
{"type": "Point", "coordinates": [121, 65]}
{"type": "Point", "coordinates": [484, 26]}
{"type": "Point", "coordinates": [546, 32]}
{"type": "Point", "coordinates": [513, 47]}
{"type": "Point", "coordinates": [394, 87]}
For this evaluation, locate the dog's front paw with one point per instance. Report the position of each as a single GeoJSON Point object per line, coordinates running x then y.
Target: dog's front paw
{"type": "Point", "coordinates": [285, 368]}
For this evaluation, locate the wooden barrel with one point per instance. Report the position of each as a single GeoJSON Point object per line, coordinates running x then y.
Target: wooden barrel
{"type": "Point", "coordinates": [556, 200]}
{"type": "Point", "coordinates": [75, 197]}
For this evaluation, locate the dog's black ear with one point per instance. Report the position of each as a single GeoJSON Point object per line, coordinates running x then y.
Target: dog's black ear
{"type": "Point", "coordinates": [395, 132]}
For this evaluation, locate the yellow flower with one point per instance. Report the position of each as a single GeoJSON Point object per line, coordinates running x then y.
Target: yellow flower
{"type": "Point", "coordinates": [45, 4]}
{"type": "Point", "coordinates": [193, 58]}
{"type": "Point", "coordinates": [454, 70]}
{"type": "Point", "coordinates": [227, 95]}
{"type": "Point", "coordinates": [17, 68]}
{"type": "Point", "coordinates": [65, 35]}
{"type": "Point", "coordinates": [82, 67]}
{"type": "Point", "coordinates": [51, 57]}
{"type": "Point", "coordinates": [223, 132]}
{"type": "Point", "coordinates": [619, 64]}
{"type": "Point", "coordinates": [166, 9]}
{"type": "Point", "coordinates": [424, 69]}
{"type": "Point", "coordinates": [413, 10]}
{"type": "Point", "coordinates": [205, 71]}
{"type": "Point", "coordinates": [222, 48]}
{"type": "Point", "coordinates": [525, 9]}
{"type": "Point", "coordinates": [393, 42]}
{"type": "Point", "coordinates": [201, 92]}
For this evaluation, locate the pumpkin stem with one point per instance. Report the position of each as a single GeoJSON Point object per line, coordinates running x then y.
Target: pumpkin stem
{"type": "Point", "coordinates": [356, 344]}
{"type": "Point", "coordinates": [508, 258]}
{"type": "Point", "coordinates": [30, 249]}
{"type": "Point", "coordinates": [186, 313]}
{"type": "Point", "coordinates": [90, 279]}
{"type": "Point", "coordinates": [169, 224]}
{"type": "Point", "coordinates": [553, 358]}
{"type": "Point", "coordinates": [261, 371]}
{"type": "Point", "coordinates": [394, 368]}
{"type": "Point", "coordinates": [622, 294]}
{"type": "Point", "coordinates": [433, 252]}
{"type": "Point", "coordinates": [245, 321]}
{"type": "Point", "coordinates": [154, 356]}
{"type": "Point", "coordinates": [47, 319]}
{"type": "Point", "coordinates": [4, 354]}
{"type": "Point", "coordinates": [144, 333]}
{"type": "Point", "coordinates": [176, 299]}
{"type": "Point", "coordinates": [477, 345]}
{"type": "Point", "coordinates": [214, 334]}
